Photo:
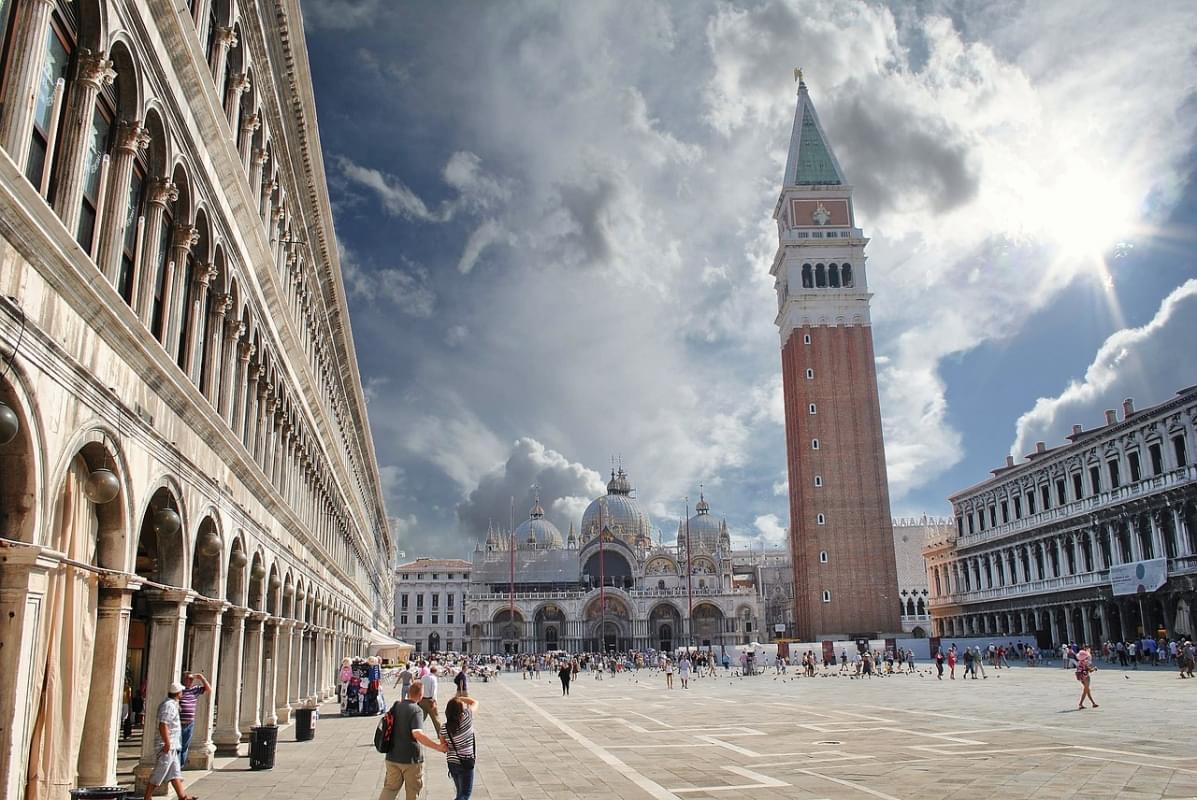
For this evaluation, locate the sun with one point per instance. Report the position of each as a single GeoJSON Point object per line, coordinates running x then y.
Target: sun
{"type": "Point", "coordinates": [1091, 211]}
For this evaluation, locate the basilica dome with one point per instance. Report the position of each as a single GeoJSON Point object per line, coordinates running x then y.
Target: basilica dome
{"type": "Point", "coordinates": [537, 533]}
{"type": "Point", "coordinates": [619, 512]}
{"type": "Point", "coordinates": [706, 532]}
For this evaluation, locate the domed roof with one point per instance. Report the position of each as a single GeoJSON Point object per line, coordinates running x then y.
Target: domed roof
{"type": "Point", "coordinates": [537, 533]}
{"type": "Point", "coordinates": [617, 511]}
{"type": "Point", "coordinates": [706, 532]}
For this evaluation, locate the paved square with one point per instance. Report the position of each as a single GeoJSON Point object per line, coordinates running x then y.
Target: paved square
{"type": "Point", "coordinates": [1016, 733]}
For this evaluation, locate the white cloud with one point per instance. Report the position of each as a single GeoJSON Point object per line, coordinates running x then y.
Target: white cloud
{"type": "Point", "coordinates": [396, 197]}
{"type": "Point", "coordinates": [1152, 361]}
{"type": "Point", "coordinates": [486, 234]}
{"type": "Point", "coordinates": [772, 531]}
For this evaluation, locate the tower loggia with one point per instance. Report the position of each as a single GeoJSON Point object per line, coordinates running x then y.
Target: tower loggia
{"type": "Point", "coordinates": [841, 535]}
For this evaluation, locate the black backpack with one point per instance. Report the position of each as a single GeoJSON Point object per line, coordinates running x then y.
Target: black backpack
{"type": "Point", "coordinates": [384, 734]}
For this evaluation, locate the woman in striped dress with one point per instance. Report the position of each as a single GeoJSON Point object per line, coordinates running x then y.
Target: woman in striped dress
{"type": "Point", "coordinates": [459, 741]}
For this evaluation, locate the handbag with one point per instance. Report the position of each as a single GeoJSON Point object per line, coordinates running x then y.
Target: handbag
{"type": "Point", "coordinates": [463, 761]}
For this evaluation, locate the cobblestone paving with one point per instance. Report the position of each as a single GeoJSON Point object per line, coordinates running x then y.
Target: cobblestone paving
{"type": "Point", "coordinates": [1017, 733]}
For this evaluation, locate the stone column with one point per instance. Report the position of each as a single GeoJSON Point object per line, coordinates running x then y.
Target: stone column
{"type": "Point", "coordinates": [267, 190]}
{"type": "Point", "coordinates": [213, 373]}
{"type": "Point", "coordinates": [231, 373]}
{"type": "Point", "coordinates": [232, 98]}
{"type": "Point", "coordinates": [249, 123]}
{"type": "Point", "coordinates": [1182, 532]}
{"type": "Point", "coordinates": [270, 664]}
{"type": "Point", "coordinates": [204, 274]}
{"type": "Point", "coordinates": [282, 447]}
{"type": "Point", "coordinates": [228, 685]}
{"type": "Point", "coordinates": [257, 162]}
{"type": "Point", "coordinates": [263, 407]}
{"type": "Point", "coordinates": [253, 394]}
{"type": "Point", "coordinates": [295, 684]}
{"type": "Point", "coordinates": [185, 237]}
{"type": "Point", "coordinates": [1157, 536]}
{"type": "Point", "coordinates": [161, 193]}
{"type": "Point", "coordinates": [168, 622]}
{"type": "Point", "coordinates": [1054, 627]}
{"type": "Point", "coordinates": [93, 72]}
{"type": "Point", "coordinates": [244, 389]}
{"type": "Point", "coordinates": [206, 618]}
{"type": "Point", "coordinates": [23, 583]}
{"type": "Point", "coordinates": [251, 674]}
{"type": "Point", "coordinates": [1136, 543]}
{"type": "Point", "coordinates": [282, 693]}
{"type": "Point", "coordinates": [1069, 626]}
{"type": "Point", "coordinates": [131, 137]}
{"type": "Point", "coordinates": [1104, 617]}
{"type": "Point", "coordinates": [27, 56]}
{"type": "Point", "coordinates": [97, 760]}
{"type": "Point", "coordinates": [223, 40]}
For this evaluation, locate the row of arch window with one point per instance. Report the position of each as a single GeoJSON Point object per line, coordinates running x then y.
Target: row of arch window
{"type": "Point", "coordinates": [822, 276]}
{"type": "Point", "coordinates": [72, 117]}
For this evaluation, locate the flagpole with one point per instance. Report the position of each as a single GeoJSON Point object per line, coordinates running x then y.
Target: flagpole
{"type": "Point", "coordinates": [511, 576]}
{"type": "Point", "coordinates": [689, 576]}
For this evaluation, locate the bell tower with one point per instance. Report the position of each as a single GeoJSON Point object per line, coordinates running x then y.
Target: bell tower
{"type": "Point", "coordinates": [841, 533]}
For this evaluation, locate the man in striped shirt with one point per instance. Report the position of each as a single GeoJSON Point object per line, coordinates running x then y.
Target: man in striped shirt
{"type": "Point", "coordinates": [194, 684]}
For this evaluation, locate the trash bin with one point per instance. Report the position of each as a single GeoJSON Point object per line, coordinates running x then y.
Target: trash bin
{"type": "Point", "coordinates": [98, 793]}
{"type": "Point", "coordinates": [261, 746]}
{"type": "Point", "coordinates": [305, 724]}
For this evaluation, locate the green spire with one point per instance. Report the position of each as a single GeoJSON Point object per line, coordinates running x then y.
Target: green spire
{"type": "Point", "coordinates": [815, 164]}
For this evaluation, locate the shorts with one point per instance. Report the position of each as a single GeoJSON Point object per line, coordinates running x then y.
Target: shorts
{"type": "Point", "coordinates": [166, 768]}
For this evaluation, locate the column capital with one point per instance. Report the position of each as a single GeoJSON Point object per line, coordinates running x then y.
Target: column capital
{"type": "Point", "coordinates": [245, 350]}
{"type": "Point", "coordinates": [210, 604]}
{"type": "Point", "coordinates": [237, 612]}
{"type": "Point", "coordinates": [261, 155]}
{"type": "Point", "coordinates": [206, 273]}
{"type": "Point", "coordinates": [257, 617]}
{"type": "Point", "coordinates": [250, 122]}
{"type": "Point", "coordinates": [268, 187]}
{"type": "Point", "coordinates": [94, 71]}
{"type": "Point", "coordinates": [163, 191]}
{"type": "Point", "coordinates": [121, 581]}
{"type": "Point", "coordinates": [225, 36]}
{"type": "Point", "coordinates": [132, 136]}
{"type": "Point", "coordinates": [221, 305]}
{"type": "Point", "coordinates": [186, 236]}
{"type": "Point", "coordinates": [239, 83]}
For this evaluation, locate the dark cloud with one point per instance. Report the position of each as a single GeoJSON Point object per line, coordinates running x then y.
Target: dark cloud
{"type": "Point", "coordinates": [587, 205]}
{"type": "Point", "coordinates": [897, 157]}
{"type": "Point", "coordinates": [564, 488]}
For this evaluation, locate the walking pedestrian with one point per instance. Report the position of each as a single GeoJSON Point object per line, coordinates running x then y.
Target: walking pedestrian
{"type": "Point", "coordinates": [194, 684]}
{"type": "Point", "coordinates": [405, 759]}
{"type": "Point", "coordinates": [669, 673]}
{"type": "Point", "coordinates": [683, 670]}
{"type": "Point", "coordinates": [461, 681]}
{"type": "Point", "coordinates": [167, 737]}
{"type": "Point", "coordinates": [939, 663]}
{"type": "Point", "coordinates": [459, 741]}
{"type": "Point", "coordinates": [429, 686]}
{"type": "Point", "coordinates": [952, 662]}
{"type": "Point", "coordinates": [1084, 666]}
{"type": "Point", "coordinates": [565, 674]}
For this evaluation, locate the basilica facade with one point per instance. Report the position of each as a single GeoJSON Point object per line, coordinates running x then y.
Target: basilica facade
{"type": "Point", "coordinates": [606, 585]}
{"type": "Point", "coordinates": [187, 479]}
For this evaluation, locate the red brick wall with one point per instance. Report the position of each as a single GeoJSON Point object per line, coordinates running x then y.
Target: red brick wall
{"type": "Point", "coordinates": [858, 535]}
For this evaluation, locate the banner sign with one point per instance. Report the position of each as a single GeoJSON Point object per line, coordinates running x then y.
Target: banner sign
{"type": "Point", "coordinates": [1138, 576]}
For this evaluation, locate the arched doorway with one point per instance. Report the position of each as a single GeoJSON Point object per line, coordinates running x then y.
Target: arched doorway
{"type": "Point", "coordinates": [77, 676]}
{"type": "Point", "coordinates": [607, 567]}
{"type": "Point", "coordinates": [550, 626]}
{"type": "Point", "coordinates": [508, 630]}
{"type": "Point", "coordinates": [608, 621]}
{"type": "Point", "coordinates": [708, 625]}
{"type": "Point", "coordinates": [434, 642]}
{"type": "Point", "coordinates": [665, 627]}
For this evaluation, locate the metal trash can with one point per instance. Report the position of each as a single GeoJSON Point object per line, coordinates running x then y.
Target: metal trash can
{"type": "Point", "coordinates": [305, 724]}
{"type": "Point", "coordinates": [99, 793]}
{"type": "Point", "coordinates": [262, 742]}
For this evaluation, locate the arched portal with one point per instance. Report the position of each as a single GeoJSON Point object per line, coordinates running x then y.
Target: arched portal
{"type": "Point", "coordinates": [607, 567]}
{"type": "Point", "coordinates": [708, 625]}
{"type": "Point", "coordinates": [665, 627]}
{"type": "Point", "coordinates": [434, 642]}
{"type": "Point", "coordinates": [508, 629]}
{"type": "Point", "coordinates": [549, 624]}
{"type": "Point", "coordinates": [608, 623]}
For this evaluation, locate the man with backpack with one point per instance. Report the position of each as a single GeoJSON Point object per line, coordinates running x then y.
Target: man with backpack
{"type": "Point", "coordinates": [399, 736]}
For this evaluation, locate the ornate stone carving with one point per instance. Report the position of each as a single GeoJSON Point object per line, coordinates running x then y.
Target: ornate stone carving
{"type": "Point", "coordinates": [163, 191]}
{"type": "Point", "coordinates": [239, 83]}
{"type": "Point", "coordinates": [95, 71]}
{"type": "Point", "coordinates": [250, 122]}
{"type": "Point", "coordinates": [225, 36]}
{"type": "Point", "coordinates": [205, 274]}
{"type": "Point", "coordinates": [131, 136]}
{"type": "Point", "coordinates": [186, 236]}
{"type": "Point", "coordinates": [235, 329]}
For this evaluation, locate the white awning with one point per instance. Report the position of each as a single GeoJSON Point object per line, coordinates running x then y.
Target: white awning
{"type": "Point", "coordinates": [381, 644]}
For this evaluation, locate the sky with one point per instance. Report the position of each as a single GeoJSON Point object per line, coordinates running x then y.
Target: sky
{"type": "Point", "coordinates": [555, 223]}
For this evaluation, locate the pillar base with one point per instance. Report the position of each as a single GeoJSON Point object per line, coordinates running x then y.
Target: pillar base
{"type": "Point", "coordinates": [283, 715]}
{"type": "Point", "coordinates": [227, 747]}
{"type": "Point", "coordinates": [202, 758]}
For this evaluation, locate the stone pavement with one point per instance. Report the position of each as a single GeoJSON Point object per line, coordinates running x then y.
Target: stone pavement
{"type": "Point", "coordinates": [1017, 733]}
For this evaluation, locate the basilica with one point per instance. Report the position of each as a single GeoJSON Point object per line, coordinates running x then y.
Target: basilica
{"type": "Point", "coordinates": [607, 585]}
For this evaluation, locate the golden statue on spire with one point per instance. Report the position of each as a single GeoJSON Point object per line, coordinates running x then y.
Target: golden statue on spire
{"type": "Point", "coordinates": [798, 74]}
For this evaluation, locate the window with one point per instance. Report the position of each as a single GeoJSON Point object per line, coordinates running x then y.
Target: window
{"type": "Point", "coordinates": [1136, 470]}
{"type": "Point", "coordinates": [129, 254]}
{"type": "Point", "coordinates": [823, 557]}
{"type": "Point", "coordinates": [992, 516]}
{"type": "Point", "coordinates": [435, 619]}
{"type": "Point", "coordinates": [1018, 508]}
{"type": "Point", "coordinates": [449, 599]}
{"type": "Point", "coordinates": [449, 618]}
{"type": "Point", "coordinates": [1045, 494]}
{"type": "Point", "coordinates": [812, 409]}
{"type": "Point", "coordinates": [810, 374]}
{"type": "Point", "coordinates": [1061, 492]}
{"type": "Point", "coordinates": [820, 276]}
{"type": "Point", "coordinates": [98, 140]}
{"type": "Point", "coordinates": [1095, 479]}
{"type": "Point", "coordinates": [1005, 512]}
{"type": "Point", "coordinates": [1157, 458]}
{"type": "Point", "coordinates": [814, 444]}
{"type": "Point", "coordinates": [1178, 445]}
{"type": "Point", "coordinates": [806, 338]}
{"type": "Point", "coordinates": [419, 601]}
{"type": "Point", "coordinates": [59, 46]}
{"type": "Point", "coordinates": [403, 601]}
{"type": "Point", "coordinates": [1031, 502]}
{"type": "Point", "coordinates": [403, 619]}
{"type": "Point", "coordinates": [435, 576]}
{"type": "Point", "coordinates": [661, 585]}
{"type": "Point", "coordinates": [808, 281]}
{"type": "Point", "coordinates": [826, 596]}
{"type": "Point", "coordinates": [818, 481]}
{"type": "Point", "coordinates": [833, 276]}
{"type": "Point", "coordinates": [420, 576]}
{"type": "Point", "coordinates": [820, 519]}
{"type": "Point", "coordinates": [1078, 487]}
{"type": "Point", "coordinates": [960, 526]}
{"type": "Point", "coordinates": [419, 619]}
{"type": "Point", "coordinates": [846, 273]}
{"type": "Point", "coordinates": [972, 527]}
{"type": "Point", "coordinates": [1115, 477]}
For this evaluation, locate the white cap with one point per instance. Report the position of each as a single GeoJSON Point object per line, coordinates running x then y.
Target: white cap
{"type": "Point", "coordinates": [175, 688]}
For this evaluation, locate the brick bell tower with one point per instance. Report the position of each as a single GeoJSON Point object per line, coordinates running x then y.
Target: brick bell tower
{"type": "Point", "coordinates": [841, 533]}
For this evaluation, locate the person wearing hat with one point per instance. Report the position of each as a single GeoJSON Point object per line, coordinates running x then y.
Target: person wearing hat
{"type": "Point", "coordinates": [168, 739]}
